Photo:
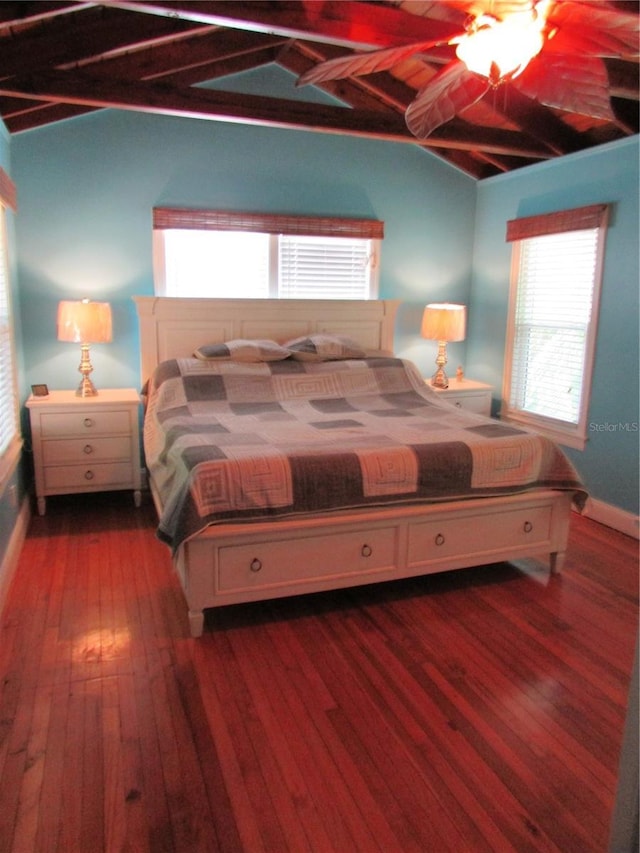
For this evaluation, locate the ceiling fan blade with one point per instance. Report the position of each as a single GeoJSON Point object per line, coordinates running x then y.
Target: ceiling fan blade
{"type": "Point", "coordinates": [356, 64]}
{"type": "Point", "coordinates": [577, 84]}
{"type": "Point", "coordinates": [595, 29]}
{"type": "Point", "coordinates": [451, 90]}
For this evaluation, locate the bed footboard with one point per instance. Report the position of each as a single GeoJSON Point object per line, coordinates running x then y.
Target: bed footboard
{"type": "Point", "coordinates": [230, 564]}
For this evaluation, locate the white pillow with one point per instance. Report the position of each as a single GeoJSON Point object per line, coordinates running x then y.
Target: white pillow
{"type": "Point", "coordinates": [323, 347]}
{"type": "Point", "coordinates": [242, 350]}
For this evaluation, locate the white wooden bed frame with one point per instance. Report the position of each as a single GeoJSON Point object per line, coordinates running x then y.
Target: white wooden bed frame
{"type": "Point", "coordinates": [233, 563]}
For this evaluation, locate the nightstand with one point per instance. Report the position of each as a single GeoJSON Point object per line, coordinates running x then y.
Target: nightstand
{"type": "Point", "coordinates": [467, 394]}
{"type": "Point", "coordinates": [85, 444]}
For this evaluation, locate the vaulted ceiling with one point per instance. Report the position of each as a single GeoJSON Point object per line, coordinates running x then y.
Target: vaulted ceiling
{"type": "Point", "coordinates": [62, 59]}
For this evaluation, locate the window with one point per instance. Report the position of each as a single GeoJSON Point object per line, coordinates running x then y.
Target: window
{"type": "Point", "coordinates": [245, 255]}
{"type": "Point", "coordinates": [553, 309]}
{"type": "Point", "coordinates": [9, 439]}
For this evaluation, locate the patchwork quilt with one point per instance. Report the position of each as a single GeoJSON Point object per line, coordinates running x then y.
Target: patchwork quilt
{"type": "Point", "coordinates": [230, 441]}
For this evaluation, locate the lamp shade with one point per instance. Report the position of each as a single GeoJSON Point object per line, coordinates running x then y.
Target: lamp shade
{"type": "Point", "coordinates": [444, 321]}
{"type": "Point", "coordinates": [84, 322]}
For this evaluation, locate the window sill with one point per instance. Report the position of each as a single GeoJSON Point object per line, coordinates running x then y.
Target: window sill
{"type": "Point", "coordinates": [573, 438]}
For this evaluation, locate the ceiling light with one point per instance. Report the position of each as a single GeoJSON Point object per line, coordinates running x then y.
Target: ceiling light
{"type": "Point", "coordinates": [500, 50]}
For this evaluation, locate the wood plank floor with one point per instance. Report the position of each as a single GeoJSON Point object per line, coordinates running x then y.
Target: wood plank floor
{"type": "Point", "coordinates": [480, 710]}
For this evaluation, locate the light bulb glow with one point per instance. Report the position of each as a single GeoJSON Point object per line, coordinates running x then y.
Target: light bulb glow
{"type": "Point", "coordinates": [501, 50]}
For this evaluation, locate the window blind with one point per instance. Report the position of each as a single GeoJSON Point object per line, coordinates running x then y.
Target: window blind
{"type": "Point", "coordinates": [8, 396]}
{"type": "Point", "coordinates": [318, 267]}
{"type": "Point", "coordinates": [552, 320]}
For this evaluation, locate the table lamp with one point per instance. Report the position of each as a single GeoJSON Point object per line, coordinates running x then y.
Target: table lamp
{"type": "Point", "coordinates": [84, 322]}
{"type": "Point", "coordinates": [443, 322]}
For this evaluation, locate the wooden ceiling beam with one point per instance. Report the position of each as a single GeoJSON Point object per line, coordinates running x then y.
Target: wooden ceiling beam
{"type": "Point", "coordinates": [626, 113]}
{"type": "Point", "coordinates": [83, 89]}
{"type": "Point", "coordinates": [44, 114]}
{"type": "Point", "coordinates": [202, 51]}
{"type": "Point", "coordinates": [342, 22]}
{"type": "Point", "coordinates": [182, 62]}
{"type": "Point", "coordinates": [18, 14]}
{"type": "Point", "coordinates": [534, 119]}
{"type": "Point", "coordinates": [624, 79]}
{"type": "Point", "coordinates": [87, 35]}
{"type": "Point", "coordinates": [218, 68]}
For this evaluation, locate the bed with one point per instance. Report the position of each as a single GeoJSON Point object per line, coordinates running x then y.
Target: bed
{"type": "Point", "coordinates": [296, 453]}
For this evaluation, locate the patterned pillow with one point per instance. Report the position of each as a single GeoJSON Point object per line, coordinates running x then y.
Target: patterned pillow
{"type": "Point", "coordinates": [321, 347]}
{"type": "Point", "coordinates": [243, 350]}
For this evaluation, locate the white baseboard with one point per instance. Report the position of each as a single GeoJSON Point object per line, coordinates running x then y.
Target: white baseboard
{"type": "Point", "coordinates": [12, 554]}
{"type": "Point", "coordinates": [613, 516]}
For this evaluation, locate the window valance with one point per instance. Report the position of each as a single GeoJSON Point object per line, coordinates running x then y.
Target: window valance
{"type": "Point", "coordinates": [266, 223]}
{"type": "Point", "coordinates": [577, 219]}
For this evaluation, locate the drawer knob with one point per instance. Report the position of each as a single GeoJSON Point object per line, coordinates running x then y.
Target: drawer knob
{"type": "Point", "coordinates": [527, 527]}
{"type": "Point", "coordinates": [88, 475]}
{"type": "Point", "coordinates": [88, 449]}
{"type": "Point", "coordinates": [255, 565]}
{"type": "Point", "coordinates": [88, 422]}
{"type": "Point", "coordinates": [439, 540]}
{"type": "Point", "coordinates": [366, 550]}
{"type": "Point", "coordinates": [458, 404]}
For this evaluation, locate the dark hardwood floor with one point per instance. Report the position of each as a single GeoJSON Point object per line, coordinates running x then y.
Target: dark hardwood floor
{"type": "Point", "coordinates": [480, 710]}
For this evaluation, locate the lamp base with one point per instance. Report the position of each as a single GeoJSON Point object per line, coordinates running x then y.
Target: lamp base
{"type": "Point", "coordinates": [86, 388]}
{"type": "Point", "coordinates": [440, 379]}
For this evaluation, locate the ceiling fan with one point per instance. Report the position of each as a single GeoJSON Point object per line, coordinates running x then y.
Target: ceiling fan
{"type": "Point", "coordinates": [550, 50]}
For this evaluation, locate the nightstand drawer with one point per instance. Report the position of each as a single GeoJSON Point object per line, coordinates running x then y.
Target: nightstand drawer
{"type": "Point", "coordinates": [478, 403]}
{"type": "Point", "coordinates": [467, 394]}
{"type": "Point", "coordinates": [86, 450]}
{"type": "Point", "coordinates": [61, 424]}
{"type": "Point", "coordinates": [67, 478]}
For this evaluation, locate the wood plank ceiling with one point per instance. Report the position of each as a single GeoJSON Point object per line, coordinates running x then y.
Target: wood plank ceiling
{"type": "Point", "coordinates": [62, 59]}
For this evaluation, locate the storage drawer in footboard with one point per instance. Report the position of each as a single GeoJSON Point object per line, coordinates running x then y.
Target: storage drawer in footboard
{"type": "Point", "coordinates": [436, 541]}
{"type": "Point", "coordinates": [299, 562]}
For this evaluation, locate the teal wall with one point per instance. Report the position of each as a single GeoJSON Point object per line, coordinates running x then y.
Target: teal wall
{"type": "Point", "coordinates": [88, 186]}
{"type": "Point", "coordinates": [609, 464]}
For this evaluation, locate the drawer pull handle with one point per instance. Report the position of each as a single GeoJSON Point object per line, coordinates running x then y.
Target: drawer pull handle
{"type": "Point", "coordinates": [439, 540]}
{"type": "Point", "coordinates": [88, 475]}
{"type": "Point", "coordinates": [88, 449]}
{"type": "Point", "coordinates": [255, 565]}
{"type": "Point", "coordinates": [366, 550]}
{"type": "Point", "coordinates": [458, 405]}
{"type": "Point", "coordinates": [88, 422]}
{"type": "Point", "coordinates": [527, 527]}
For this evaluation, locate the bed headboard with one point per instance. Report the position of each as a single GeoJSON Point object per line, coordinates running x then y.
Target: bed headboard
{"type": "Point", "coordinates": [172, 327]}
